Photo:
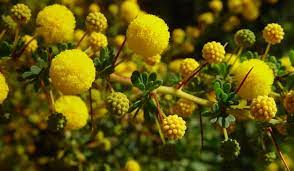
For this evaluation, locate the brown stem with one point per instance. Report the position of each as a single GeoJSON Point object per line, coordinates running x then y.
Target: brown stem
{"type": "Point", "coordinates": [243, 81]}
{"type": "Point", "coordinates": [82, 38]}
{"type": "Point", "coordinates": [48, 96]}
{"type": "Point", "coordinates": [119, 51]}
{"type": "Point", "coordinates": [189, 77]}
{"type": "Point", "coordinates": [274, 141]}
{"type": "Point", "coordinates": [159, 112]}
{"type": "Point", "coordinates": [93, 126]}
{"type": "Point", "coordinates": [17, 54]}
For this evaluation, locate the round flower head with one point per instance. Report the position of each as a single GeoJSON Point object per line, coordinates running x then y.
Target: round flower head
{"type": "Point", "coordinates": [72, 72]}
{"type": "Point", "coordinates": [118, 40]}
{"type": "Point", "coordinates": [113, 9]}
{"type": "Point", "coordinates": [97, 41]}
{"type": "Point", "coordinates": [20, 13]}
{"type": "Point", "coordinates": [74, 109]}
{"type": "Point", "coordinates": [178, 36]}
{"type": "Point", "coordinates": [236, 6]}
{"type": "Point", "coordinates": [193, 32]}
{"type": "Point", "coordinates": [273, 33]}
{"type": "Point", "coordinates": [263, 108]}
{"type": "Point", "coordinates": [229, 149]}
{"type": "Point", "coordinates": [216, 5]}
{"type": "Point", "coordinates": [213, 52]}
{"type": "Point", "coordinates": [187, 66]}
{"type": "Point", "coordinates": [56, 24]}
{"type": "Point", "coordinates": [206, 18]}
{"type": "Point", "coordinates": [129, 11]}
{"type": "Point", "coordinates": [289, 102]}
{"type": "Point", "coordinates": [152, 60]}
{"type": "Point", "coordinates": [173, 127]}
{"type": "Point", "coordinates": [94, 7]}
{"type": "Point", "coordinates": [132, 165]}
{"type": "Point", "coordinates": [3, 88]}
{"type": "Point", "coordinates": [184, 107]}
{"type": "Point", "coordinates": [33, 45]}
{"type": "Point", "coordinates": [258, 82]}
{"type": "Point", "coordinates": [244, 38]}
{"type": "Point", "coordinates": [147, 35]}
{"type": "Point", "coordinates": [250, 12]}
{"type": "Point", "coordinates": [117, 103]}
{"type": "Point", "coordinates": [96, 21]}
{"type": "Point", "coordinates": [187, 47]}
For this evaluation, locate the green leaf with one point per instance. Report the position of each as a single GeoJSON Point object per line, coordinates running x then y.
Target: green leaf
{"type": "Point", "coordinates": [35, 69]}
{"type": "Point", "coordinates": [137, 81]}
{"type": "Point", "coordinates": [152, 77]}
{"type": "Point", "coordinates": [291, 57]}
{"type": "Point", "coordinates": [227, 87]}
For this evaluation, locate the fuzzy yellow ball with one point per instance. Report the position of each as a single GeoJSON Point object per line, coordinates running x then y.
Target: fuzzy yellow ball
{"type": "Point", "coordinates": [3, 88]}
{"type": "Point", "coordinates": [72, 72]}
{"type": "Point", "coordinates": [148, 35]}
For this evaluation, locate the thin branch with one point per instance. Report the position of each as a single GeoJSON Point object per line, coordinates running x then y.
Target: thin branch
{"type": "Point", "coordinates": [243, 81]}
{"type": "Point", "coordinates": [93, 126]}
{"type": "Point", "coordinates": [82, 38]}
{"type": "Point", "coordinates": [119, 51]}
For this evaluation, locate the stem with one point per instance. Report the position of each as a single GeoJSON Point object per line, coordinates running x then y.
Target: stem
{"type": "Point", "coordinates": [48, 96]}
{"type": "Point", "coordinates": [2, 34]}
{"type": "Point", "coordinates": [189, 77]}
{"type": "Point", "coordinates": [17, 54]}
{"type": "Point", "coordinates": [266, 51]}
{"type": "Point", "coordinates": [159, 112]}
{"type": "Point", "coordinates": [119, 51]}
{"type": "Point", "coordinates": [243, 81]}
{"type": "Point", "coordinates": [91, 111]}
{"type": "Point", "coordinates": [225, 134]}
{"type": "Point", "coordinates": [17, 30]}
{"type": "Point", "coordinates": [82, 38]}
{"type": "Point", "coordinates": [274, 141]}
{"type": "Point", "coordinates": [51, 97]}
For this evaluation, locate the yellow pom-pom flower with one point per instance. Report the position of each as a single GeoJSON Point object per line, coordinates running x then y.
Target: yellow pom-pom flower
{"type": "Point", "coordinates": [273, 33]}
{"type": "Point", "coordinates": [187, 66]}
{"type": "Point", "coordinates": [206, 18]}
{"type": "Point", "coordinates": [258, 82]}
{"type": "Point", "coordinates": [231, 23]}
{"type": "Point", "coordinates": [117, 103]}
{"type": "Point", "coordinates": [178, 36]}
{"type": "Point", "coordinates": [187, 47]}
{"type": "Point", "coordinates": [96, 21]}
{"type": "Point", "coordinates": [74, 109]}
{"type": "Point", "coordinates": [132, 165]}
{"type": "Point", "coordinates": [118, 40]}
{"type": "Point", "coordinates": [32, 46]}
{"type": "Point", "coordinates": [175, 65]}
{"type": "Point", "coordinates": [152, 60]}
{"type": "Point", "coordinates": [113, 9]}
{"type": "Point", "coordinates": [20, 13]}
{"type": "Point", "coordinates": [193, 32]}
{"type": "Point", "coordinates": [184, 107]}
{"type": "Point", "coordinates": [213, 52]}
{"type": "Point", "coordinates": [56, 24]}
{"type": "Point", "coordinates": [3, 88]}
{"type": "Point", "coordinates": [236, 6]}
{"type": "Point", "coordinates": [126, 68]}
{"type": "Point", "coordinates": [289, 102]}
{"type": "Point", "coordinates": [94, 7]}
{"type": "Point", "coordinates": [216, 5]}
{"type": "Point", "coordinates": [148, 35]}
{"type": "Point", "coordinates": [263, 108]}
{"type": "Point", "coordinates": [72, 72]}
{"type": "Point", "coordinates": [173, 127]}
{"type": "Point", "coordinates": [285, 61]}
{"type": "Point", "coordinates": [129, 11]}
{"type": "Point", "coordinates": [97, 41]}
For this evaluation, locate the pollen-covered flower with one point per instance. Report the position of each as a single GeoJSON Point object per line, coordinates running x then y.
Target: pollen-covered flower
{"type": "Point", "coordinates": [32, 46]}
{"type": "Point", "coordinates": [289, 102]}
{"type": "Point", "coordinates": [263, 108]}
{"type": "Point", "coordinates": [178, 36]}
{"type": "Point", "coordinates": [74, 109]}
{"type": "Point", "coordinates": [129, 11]}
{"type": "Point", "coordinates": [117, 103]}
{"type": "Point", "coordinates": [20, 13]}
{"type": "Point", "coordinates": [72, 72]}
{"type": "Point", "coordinates": [55, 27]}
{"type": "Point", "coordinates": [97, 41]}
{"type": "Point", "coordinates": [244, 38]}
{"type": "Point", "coordinates": [173, 127]}
{"type": "Point", "coordinates": [184, 107]}
{"type": "Point", "coordinates": [132, 165]}
{"type": "Point", "coordinates": [273, 33]}
{"type": "Point", "coordinates": [206, 18]}
{"type": "Point", "coordinates": [96, 21]}
{"type": "Point", "coordinates": [3, 88]}
{"type": "Point", "coordinates": [148, 35]}
{"type": "Point", "coordinates": [216, 5]}
{"type": "Point", "coordinates": [94, 7]}
{"type": "Point", "coordinates": [187, 66]}
{"type": "Point", "coordinates": [152, 60]}
{"type": "Point", "coordinates": [213, 52]}
{"type": "Point", "coordinates": [258, 82]}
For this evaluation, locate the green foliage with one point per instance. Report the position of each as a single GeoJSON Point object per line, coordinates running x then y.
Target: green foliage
{"type": "Point", "coordinates": [105, 62]}
{"type": "Point", "coordinates": [291, 57]}
{"type": "Point", "coordinates": [56, 122]}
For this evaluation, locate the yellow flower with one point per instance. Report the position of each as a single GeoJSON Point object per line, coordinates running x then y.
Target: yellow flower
{"type": "Point", "coordinates": [96, 21]}
{"type": "Point", "coordinates": [213, 52]}
{"type": "Point", "coordinates": [33, 45]}
{"type": "Point", "coordinates": [216, 5]}
{"type": "Point", "coordinates": [231, 59]}
{"type": "Point", "coordinates": [258, 82]}
{"type": "Point", "coordinates": [178, 36]}
{"type": "Point", "coordinates": [132, 165]}
{"type": "Point", "coordinates": [285, 61]}
{"type": "Point", "coordinates": [231, 23]}
{"type": "Point", "coordinates": [3, 88]}
{"type": "Point", "coordinates": [184, 107]}
{"type": "Point", "coordinates": [273, 33]}
{"type": "Point", "coordinates": [187, 66]}
{"type": "Point", "coordinates": [263, 108]}
{"type": "Point", "coordinates": [250, 11]}
{"type": "Point", "coordinates": [74, 109]}
{"type": "Point", "coordinates": [55, 27]}
{"type": "Point", "coordinates": [289, 102]}
{"type": "Point", "coordinates": [118, 40]}
{"type": "Point", "coordinates": [20, 13]}
{"type": "Point", "coordinates": [173, 127]}
{"type": "Point", "coordinates": [129, 11]}
{"type": "Point", "coordinates": [126, 68]}
{"type": "Point", "coordinates": [94, 7]}
{"type": "Point", "coordinates": [148, 35]}
{"type": "Point", "coordinates": [175, 65]}
{"type": "Point", "coordinates": [236, 6]}
{"type": "Point", "coordinates": [152, 60]}
{"type": "Point", "coordinates": [113, 9]}
{"type": "Point", "coordinates": [193, 32]}
{"type": "Point", "coordinates": [72, 72]}
{"type": "Point", "coordinates": [97, 41]}
{"type": "Point", "coordinates": [77, 37]}
{"type": "Point", "coordinates": [187, 47]}
{"type": "Point", "coordinates": [206, 18]}
{"type": "Point", "coordinates": [117, 103]}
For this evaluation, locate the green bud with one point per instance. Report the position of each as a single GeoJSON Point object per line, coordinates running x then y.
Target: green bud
{"type": "Point", "coordinates": [244, 38]}
{"type": "Point", "coordinates": [117, 103]}
{"type": "Point", "coordinates": [230, 149]}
